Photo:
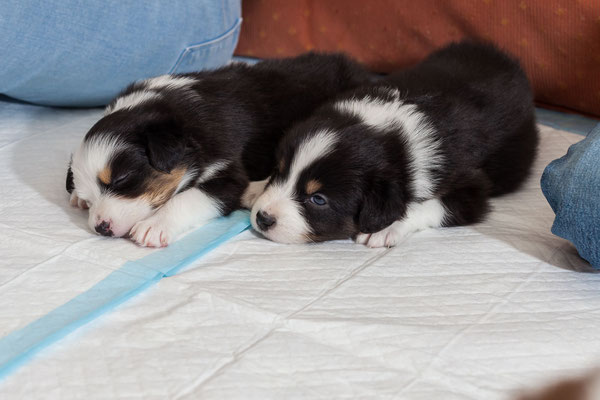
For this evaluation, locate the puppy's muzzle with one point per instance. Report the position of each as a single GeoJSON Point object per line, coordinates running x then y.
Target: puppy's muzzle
{"type": "Point", "coordinates": [265, 221]}
{"type": "Point", "coordinates": [104, 228]}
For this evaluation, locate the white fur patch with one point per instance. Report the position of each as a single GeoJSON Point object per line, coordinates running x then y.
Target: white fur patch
{"type": "Point", "coordinates": [278, 198]}
{"type": "Point", "coordinates": [212, 170]}
{"type": "Point", "coordinates": [181, 212]}
{"type": "Point", "coordinates": [91, 157]}
{"type": "Point", "coordinates": [168, 82]}
{"type": "Point", "coordinates": [185, 179]}
{"type": "Point", "coordinates": [423, 148]}
{"type": "Point", "coordinates": [131, 100]}
{"type": "Point", "coordinates": [419, 216]}
{"type": "Point", "coordinates": [312, 149]}
{"type": "Point", "coordinates": [147, 91]}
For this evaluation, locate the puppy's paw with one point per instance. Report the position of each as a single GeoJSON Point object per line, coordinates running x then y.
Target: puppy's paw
{"type": "Point", "coordinates": [253, 192]}
{"type": "Point", "coordinates": [151, 232]}
{"type": "Point", "coordinates": [387, 237]}
{"type": "Point", "coordinates": [77, 202]}
{"type": "Point", "coordinates": [362, 238]}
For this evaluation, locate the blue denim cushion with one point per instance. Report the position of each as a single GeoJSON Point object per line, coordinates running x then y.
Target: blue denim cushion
{"type": "Point", "coordinates": [74, 53]}
{"type": "Point", "coordinates": [571, 185]}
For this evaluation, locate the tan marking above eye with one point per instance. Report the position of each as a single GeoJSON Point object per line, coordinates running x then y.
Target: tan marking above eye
{"type": "Point", "coordinates": [104, 175]}
{"type": "Point", "coordinates": [313, 186]}
{"type": "Point", "coordinates": [161, 186]}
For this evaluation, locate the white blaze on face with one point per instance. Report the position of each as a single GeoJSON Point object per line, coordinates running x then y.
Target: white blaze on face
{"type": "Point", "coordinates": [89, 160]}
{"type": "Point", "coordinates": [92, 157]}
{"type": "Point", "coordinates": [278, 199]}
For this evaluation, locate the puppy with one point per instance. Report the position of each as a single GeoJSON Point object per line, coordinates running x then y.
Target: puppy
{"type": "Point", "coordinates": [176, 150]}
{"type": "Point", "coordinates": [426, 148]}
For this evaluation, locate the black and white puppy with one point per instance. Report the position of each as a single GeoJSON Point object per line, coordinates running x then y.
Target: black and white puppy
{"type": "Point", "coordinates": [425, 148]}
{"type": "Point", "coordinates": [176, 150]}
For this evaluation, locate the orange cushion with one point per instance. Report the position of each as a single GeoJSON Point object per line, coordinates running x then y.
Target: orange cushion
{"type": "Point", "coordinates": [557, 41]}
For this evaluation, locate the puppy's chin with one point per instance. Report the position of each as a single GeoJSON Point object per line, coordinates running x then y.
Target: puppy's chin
{"type": "Point", "coordinates": [283, 236]}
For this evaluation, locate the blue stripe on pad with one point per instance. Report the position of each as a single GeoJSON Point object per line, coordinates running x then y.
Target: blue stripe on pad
{"type": "Point", "coordinates": [132, 278]}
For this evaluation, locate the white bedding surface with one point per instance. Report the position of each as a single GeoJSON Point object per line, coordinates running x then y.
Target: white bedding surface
{"type": "Point", "coordinates": [464, 313]}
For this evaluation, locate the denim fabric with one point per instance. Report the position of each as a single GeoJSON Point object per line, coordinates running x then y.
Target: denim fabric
{"type": "Point", "coordinates": [82, 53]}
{"type": "Point", "coordinates": [571, 185]}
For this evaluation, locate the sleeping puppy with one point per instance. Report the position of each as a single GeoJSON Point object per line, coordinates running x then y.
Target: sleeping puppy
{"type": "Point", "coordinates": [176, 150]}
{"type": "Point", "coordinates": [426, 148]}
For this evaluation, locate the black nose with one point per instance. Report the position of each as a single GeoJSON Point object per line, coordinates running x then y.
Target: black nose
{"type": "Point", "coordinates": [103, 228]}
{"type": "Point", "coordinates": [264, 220]}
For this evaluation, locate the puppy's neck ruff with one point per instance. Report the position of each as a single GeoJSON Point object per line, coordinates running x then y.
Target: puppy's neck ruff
{"type": "Point", "coordinates": [424, 151]}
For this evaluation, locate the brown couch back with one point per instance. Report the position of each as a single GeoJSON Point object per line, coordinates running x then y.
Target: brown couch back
{"type": "Point", "coordinates": [557, 41]}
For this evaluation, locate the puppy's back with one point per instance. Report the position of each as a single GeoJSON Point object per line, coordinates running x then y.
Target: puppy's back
{"type": "Point", "coordinates": [481, 104]}
{"type": "Point", "coordinates": [462, 65]}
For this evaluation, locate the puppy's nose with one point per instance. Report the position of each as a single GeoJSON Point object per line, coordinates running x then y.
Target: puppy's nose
{"type": "Point", "coordinates": [264, 220]}
{"type": "Point", "coordinates": [103, 228]}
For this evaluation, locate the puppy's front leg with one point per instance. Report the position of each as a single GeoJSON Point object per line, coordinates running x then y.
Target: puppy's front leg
{"type": "Point", "coordinates": [428, 214]}
{"type": "Point", "coordinates": [183, 211]}
{"type": "Point", "coordinates": [77, 202]}
{"type": "Point", "coordinates": [253, 191]}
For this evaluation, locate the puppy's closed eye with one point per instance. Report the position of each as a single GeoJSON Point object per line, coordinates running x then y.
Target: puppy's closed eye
{"type": "Point", "coordinates": [121, 179]}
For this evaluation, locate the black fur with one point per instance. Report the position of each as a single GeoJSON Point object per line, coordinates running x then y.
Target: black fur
{"type": "Point", "coordinates": [479, 103]}
{"type": "Point", "coordinates": [164, 147]}
{"type": "Point", "coordinates": [235, 114]}
{"type": "Point", "coordinates": [69, 183]}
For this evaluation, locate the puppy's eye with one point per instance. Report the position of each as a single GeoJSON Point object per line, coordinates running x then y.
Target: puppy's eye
{"type": "Point", "coordinates": [318, 199]}
{"type": "Point", "coordinates": [119, 180]}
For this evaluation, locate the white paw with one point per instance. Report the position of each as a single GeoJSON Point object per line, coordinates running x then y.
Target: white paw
{"type": "Point", "coordinates": [253, 192]}
{"type": "Point", "coordinates": [362, 238]}
{"type": "Point", "coordinates": [151, 232]}
{"type": "Point", "coordinates": [77, 202]}
{"type": "Point", "coordinates": [387, 237]}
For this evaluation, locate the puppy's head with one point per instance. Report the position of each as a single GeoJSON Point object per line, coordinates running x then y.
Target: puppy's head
{"type": "Point", "coordinates": [128, 165]}
{"type": "Point", "coordinates": [331, 182]}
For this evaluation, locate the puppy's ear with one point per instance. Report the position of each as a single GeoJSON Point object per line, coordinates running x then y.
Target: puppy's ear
{"type": "Point", "coordinates": [165, 144]}
{"type": "Point", "coordinates": [69, 184]}
{"type": "Point", "coordinates": [383, 203]}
